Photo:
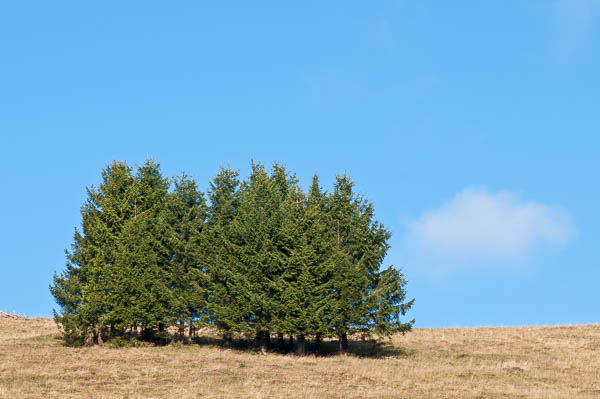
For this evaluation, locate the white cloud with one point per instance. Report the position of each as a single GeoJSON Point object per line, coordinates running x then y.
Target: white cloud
{"type": "Point", "coordinates": [481, 228]}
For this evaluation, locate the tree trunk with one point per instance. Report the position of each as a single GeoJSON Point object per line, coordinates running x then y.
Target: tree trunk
{"type": "Point", "coordinates": [280, 342]}
{"type": "Point", "coordinates": [99, 336]}
{"type": "Point", "coordinates": [228, 337]}
{"type": "Point", "coordinates": [89, 341]}
{"type": "Point", "coordinates": [318, 343]}
{"type": "Point", "coordinates": [291, 342]}
{"type": "Point", "coordinates": [300, 348]}
{"type": "Point", "coordinates": [261, 337]}
{"type": "Point", "coordinates": [343, 342]}
{"type": "Point", "coordinates": [268, 338]}
{"type": "Point", "coordinates": [161, 327]}
{"type": "Point", "coordinates": [147, 333]}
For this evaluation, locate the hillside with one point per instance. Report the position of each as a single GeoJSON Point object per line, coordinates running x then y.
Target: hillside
{"type": "Point", "coordinates": [526, 362]}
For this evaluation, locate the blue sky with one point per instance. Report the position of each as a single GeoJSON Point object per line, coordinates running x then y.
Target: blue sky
{"type": "Point", "coordinates": [472, 126]}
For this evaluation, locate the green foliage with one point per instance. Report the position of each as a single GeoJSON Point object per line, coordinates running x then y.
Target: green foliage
{"type": "Point", "coordinates": [306, 279]}
{"type": "Point", "coordinates": [261, 256]}
{"type": "Point", "coordinates": [227, 299]}
{"type": "Point", "coordinates": [81, 289]}
{"type": "Point", "coordinates": [189, 274]}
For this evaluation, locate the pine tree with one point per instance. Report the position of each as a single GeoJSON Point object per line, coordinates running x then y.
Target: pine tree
{"type": "Point", "coordinates": [362, 295]}
{"type": "Point", "coordinates": [348, 279]}
{"type": "Point", "coordinates": [80, 291]}
{"type": "Point", "coordinates": [189, 273]}
{"type": "Point", "coordinates": [387, 304]}
{"type": "Point", "coordinates": [289, 296]}
{"type": "Point", "coordinates": [139, 288]}
{"type": "Point", "coordinates": [227, 297]}
{"type": "Point", "coordinates": [308, 270]}
{"type": "Point", "coordinates": [140, 283]}
{"type": "Point", "coordinates": [384, 294]}
{"type": "Point", "coordinates": [322, 267]}
{"type": "Point", "coordinates": [263, 257]}
{"type": "Point", "coordinates": [258, 259]}
{"type": "Point", "coordinates": [289, 197]}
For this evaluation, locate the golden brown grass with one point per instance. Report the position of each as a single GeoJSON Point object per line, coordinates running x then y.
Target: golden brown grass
{"type": "Point", "coordinates": [524, 362]}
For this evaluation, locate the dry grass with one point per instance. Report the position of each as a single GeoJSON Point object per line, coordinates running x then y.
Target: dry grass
{"type": "Point", "coordinates": [526, 362]}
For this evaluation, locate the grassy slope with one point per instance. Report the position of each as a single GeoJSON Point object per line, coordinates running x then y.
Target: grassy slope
{"type": "Point", "coordinates": [528, 362]}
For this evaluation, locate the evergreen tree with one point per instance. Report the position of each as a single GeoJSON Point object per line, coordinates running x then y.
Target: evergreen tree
{"type": "Point", "coordinates": [140, 283]}
{"type": "Point", "coordinates": [81, 289]}
{"type": "Point", "coordinates": [384, 294]}
{"type": "Point", "coordinates": [362, 296]}
{"type": "Point", "coordinates": [189, 274]}
{"type": "Point", "coordinates": [258, 258]}
{"type": "Point", "coordinates": [387, 304]}
{"type": "Point", "coordinates": [348, 279]}
{"type": "Point", "coordinates": [286, 191]}
{"type": "Point", "coordinates": [262, 257]}
{"type": "Point", "coordinates": [291, 317]}
{"type": "Point", "coordinates": [227, 298]}
{"type": "Point", "coordinates": [139, 288]}
{"type": "Point", "coordinates": [306, 277]}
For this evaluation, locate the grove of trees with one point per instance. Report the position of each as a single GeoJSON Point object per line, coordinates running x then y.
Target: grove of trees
{"type": "Point", "coordinates": [258, 258]}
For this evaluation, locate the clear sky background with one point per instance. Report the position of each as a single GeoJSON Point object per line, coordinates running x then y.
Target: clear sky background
{"type": "Point", "coordinates": [472, 126]}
